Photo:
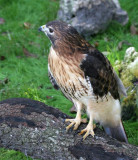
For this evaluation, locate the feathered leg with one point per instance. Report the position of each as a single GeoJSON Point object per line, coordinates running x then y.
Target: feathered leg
{"type": "Point", "coordinates": [77, 121]}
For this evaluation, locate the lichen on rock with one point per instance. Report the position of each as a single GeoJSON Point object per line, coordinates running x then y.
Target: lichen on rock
{"type": "Point", "coordinates": [128, 72]}
{"type": "Point", "coordinates": [90, 16]}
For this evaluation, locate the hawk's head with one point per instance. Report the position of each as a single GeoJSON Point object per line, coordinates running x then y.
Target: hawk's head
{"type": "Point", "coordinates": [59, 31]}
{"type": "Point", "coordinates": [64, 38]}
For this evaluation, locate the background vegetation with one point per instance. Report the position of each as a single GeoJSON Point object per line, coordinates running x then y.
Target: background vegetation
{"type": "Point", "coordinates": [24, 54]}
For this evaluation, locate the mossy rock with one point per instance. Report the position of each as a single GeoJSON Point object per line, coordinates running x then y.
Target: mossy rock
{"type": "Point", "coordinates": [129, 78]}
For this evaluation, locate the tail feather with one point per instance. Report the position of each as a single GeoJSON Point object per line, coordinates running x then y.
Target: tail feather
{"type": "Point", "coordinates": [116, 132]}
{"type": "Point", "coordinates": [121, 88]}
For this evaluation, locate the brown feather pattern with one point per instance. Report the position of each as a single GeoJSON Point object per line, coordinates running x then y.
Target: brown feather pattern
{"type": "Point", "coordinates": [73, 54]}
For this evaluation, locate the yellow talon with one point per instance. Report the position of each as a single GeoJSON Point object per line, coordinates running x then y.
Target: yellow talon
{"type": "Point", "coordinates": [88, 130]}
{"type": "Point", "coordinates": [69, 126]}
{"type": "Point", "coordinates": [76, 122]}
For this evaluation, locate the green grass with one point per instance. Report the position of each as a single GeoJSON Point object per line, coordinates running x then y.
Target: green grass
{"type": "Point", "coordinates": [131, 129]}
{"type": "Point", "coordinates": [116, 33]}
{"type": "Point", "coordinates": [28, 77]}
{"type": "Point", "coordinates": [12, 155]}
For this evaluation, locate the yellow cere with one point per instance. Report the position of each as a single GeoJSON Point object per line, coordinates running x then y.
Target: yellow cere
{"type": "Point", "coordinates": [43, 26]}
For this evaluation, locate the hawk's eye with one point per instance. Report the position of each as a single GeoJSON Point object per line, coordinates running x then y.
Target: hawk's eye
{"type": "Point", "coordinates": [51, 30]}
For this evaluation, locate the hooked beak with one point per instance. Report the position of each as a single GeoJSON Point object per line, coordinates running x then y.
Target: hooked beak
{"type": "Point", "coordinates": [40, 29]}
{"type": "Point", "coordinates": [43, 29]}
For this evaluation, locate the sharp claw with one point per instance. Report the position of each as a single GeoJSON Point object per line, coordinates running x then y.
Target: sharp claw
{"type": "Point", "coordinates": [81, 139]}
{"type": "Point", "coordinates": [86, 134]}
{"type": "Point", "coordinates": [69, 126]}
{"type": "Point", "coordinates": [88, 130]}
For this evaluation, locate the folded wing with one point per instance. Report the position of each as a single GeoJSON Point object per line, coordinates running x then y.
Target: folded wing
{"type": "Point", "coordinates": [98, 69]}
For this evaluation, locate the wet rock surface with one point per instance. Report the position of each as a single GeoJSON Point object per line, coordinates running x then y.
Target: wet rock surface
{"type": "Point", "coordinates": [90, 16]}
{"type": "Point", "coordinates": [38, 131]}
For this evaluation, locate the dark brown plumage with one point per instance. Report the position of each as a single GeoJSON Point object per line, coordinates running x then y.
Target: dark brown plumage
{"type": "Point", "coordinates": [85, 76]}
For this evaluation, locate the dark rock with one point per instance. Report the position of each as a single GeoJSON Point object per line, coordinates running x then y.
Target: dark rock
{"type": "Point", "coordinates": [95, 152]}
{"type": "Point", "coordinates": [38, 131]}
{"type": "Point", "coordinates": [91, 16]}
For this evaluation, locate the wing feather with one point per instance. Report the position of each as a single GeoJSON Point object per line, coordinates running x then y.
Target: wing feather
{"type": "Point", "coordinates": [52, 80]}
{"type": "Point", "coordinates": [100, 72]}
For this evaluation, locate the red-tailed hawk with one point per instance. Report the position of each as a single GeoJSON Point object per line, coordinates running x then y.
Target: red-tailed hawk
{"type": "Point", "coordinates": [86, 77]}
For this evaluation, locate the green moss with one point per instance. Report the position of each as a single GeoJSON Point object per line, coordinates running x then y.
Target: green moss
{"type": "Point", "coordinates": [131, 131]}
{"type": "Point", "coordinates": [12, 155]}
